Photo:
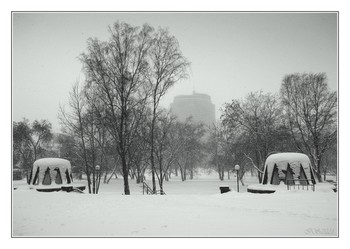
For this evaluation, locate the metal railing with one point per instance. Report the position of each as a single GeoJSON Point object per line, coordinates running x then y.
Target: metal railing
{"type": "Point", "coordinates": [149, 191]}
{"type": "Point", "coordinates": [298, 184]}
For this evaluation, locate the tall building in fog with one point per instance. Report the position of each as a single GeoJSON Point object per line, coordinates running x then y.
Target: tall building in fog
{"type": "Point", "coordinates": [197, 105]}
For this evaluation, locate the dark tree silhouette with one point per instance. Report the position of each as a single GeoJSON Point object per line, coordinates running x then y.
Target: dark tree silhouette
{"type": "Point", "coordinates": [312, 114]}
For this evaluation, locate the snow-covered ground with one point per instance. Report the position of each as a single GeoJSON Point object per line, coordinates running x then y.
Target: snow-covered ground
{"type": "Point", "coordinates": [194, 208]}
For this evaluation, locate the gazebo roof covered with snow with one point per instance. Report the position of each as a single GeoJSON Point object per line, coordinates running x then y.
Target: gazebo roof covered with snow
{"type": "Point", "coordinates": [289, 168]}
{"type": "Point", "coordinates": [51, 171]}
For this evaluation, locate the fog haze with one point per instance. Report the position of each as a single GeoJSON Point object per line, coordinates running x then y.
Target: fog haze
{"type": "Point", "coordinates": [231, 54]}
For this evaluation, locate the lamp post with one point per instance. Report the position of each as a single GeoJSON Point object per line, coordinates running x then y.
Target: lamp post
{"type": "Point", "coordinates": [237, 168]}
{"type": "Point", "coordinates": [97, 167]}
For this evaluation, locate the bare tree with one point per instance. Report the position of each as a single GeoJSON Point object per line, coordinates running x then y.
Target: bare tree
{"type": "Point", "coordinates": [84, 125]}
{"type": "Point", "coordinates": [74, 123]}
{"type": "Point", "coordinates": [312, 111]}
{"type": "Point", "coordinates": [258, 116]}
{"type": "Point", "coordinates": [117, 69]}
{"type": "Point", "coordinates": [189, 137]}
{"type": "Point", "coordinates": [40, 133]}
{"type": "Point", "coordinates": [29, 140]}
{"type": "Point", "coordinates": [168, 66]}
{"type": "Point", "coordinates": [97, 136]}
{"type": "Point", "coordinates": [139, 149]}
{"type": "Point", "coordinates": [166, 147]}
{"type": "Point", "coordinates": [22, 151]}
{"type": "Point", "coordinates": [224, 149]}
{"type": "Point", "coordinates": [329, 162]}
{"type": "Point", "coordinates": [215, 147]}
{"type": "Point", "coordinates": [69, 149]}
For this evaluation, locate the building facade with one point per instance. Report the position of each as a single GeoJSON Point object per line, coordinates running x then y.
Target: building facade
{"type": "Point", "coordinates": [198, 106]}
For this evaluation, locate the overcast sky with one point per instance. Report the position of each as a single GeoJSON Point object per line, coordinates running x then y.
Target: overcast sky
{"type": "Point", "coordinates": [231, 54]}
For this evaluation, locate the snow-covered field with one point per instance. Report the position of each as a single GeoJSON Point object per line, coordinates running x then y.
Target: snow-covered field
{"type": "Point", "coordinates": [194, 208]}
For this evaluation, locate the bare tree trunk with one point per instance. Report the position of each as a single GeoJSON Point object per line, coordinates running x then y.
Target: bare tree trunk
{"type": "Point", "coordinates": [125, 177]}
{"type": "Point", "coordinates": [93, 182]}
{"type": "Point", "coordinates": [28, 177]}
{"type": "Point", "coordinates": [241, 177]}
{"type": "Point", "coordinates": [191, 174]}
{"type": "Point", "coordinates": [113, 173]}
{"type": "Point", "coordinates": [152, 147]}
{"type": "Point", "coordinates": [98, 181]}
{"type": "Point", "coordinates": [221, 173]}
{"type": "Point", "coordinates": [183, 173]}
{"type": "Point", "coordinates": [105, 176]}
{"type": "Point", "coordinates": [318, 161]}
{"type": "Point", "coordinates": [138, 174]}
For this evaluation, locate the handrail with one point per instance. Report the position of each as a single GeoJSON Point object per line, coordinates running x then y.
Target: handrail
{"type": "Point", "coordinates": [149, 191]}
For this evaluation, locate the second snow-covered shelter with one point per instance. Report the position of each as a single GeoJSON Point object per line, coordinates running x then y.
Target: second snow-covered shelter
{"type": "Point", "coordinates": [290, 168]}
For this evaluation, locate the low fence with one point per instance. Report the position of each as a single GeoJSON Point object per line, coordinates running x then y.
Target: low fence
{"type": "Point", "coordinates": [301, 184]}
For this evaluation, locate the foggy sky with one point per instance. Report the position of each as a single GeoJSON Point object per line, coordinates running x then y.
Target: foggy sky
{"type": "Point", "coordinates": [231, 54]}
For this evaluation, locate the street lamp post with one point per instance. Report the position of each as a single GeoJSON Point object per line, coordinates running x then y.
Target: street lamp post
{"type": "Point", "coordinates": [237, 168]}
{"type": "Point", "coordinates": [97, 169]}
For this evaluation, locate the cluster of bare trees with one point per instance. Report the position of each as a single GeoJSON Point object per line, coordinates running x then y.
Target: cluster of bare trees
{"type": "Point", "coordinates": [88, 135]}
{"type": "Point", "coordinates": [312, 114]}
{"type": "Point", "coordinates": [114, 124]}
{"type": "Point", "coordinates": [177, 146]}
{"type": "Point", "coordinates": [302, 118]}
{"type": "Point", "coordinates": [118, 103]}
{"type": "Point", "coordinates": [30, 142]}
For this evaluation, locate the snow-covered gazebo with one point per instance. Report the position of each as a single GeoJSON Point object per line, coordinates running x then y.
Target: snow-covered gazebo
{"type": "Point", "coordinates": [47, 171]}
{"type": "Point", "coordinates": [52, 174]}
{"type": "Point", "coordinates": [290, 168]}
